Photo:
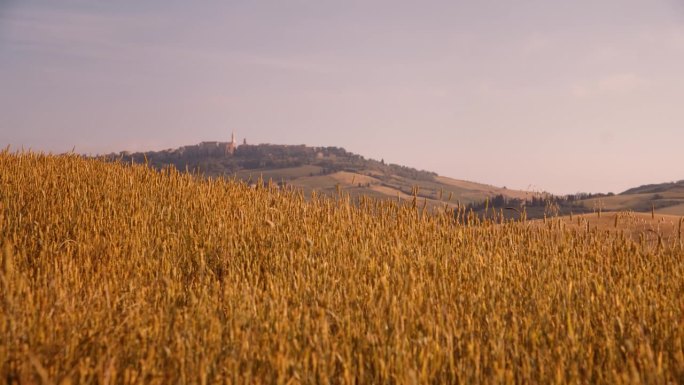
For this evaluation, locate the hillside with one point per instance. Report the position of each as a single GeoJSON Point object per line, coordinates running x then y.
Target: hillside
{"type": "Point", "coordinates": [329, 170]}
{"type": "Point", "coordinates": [323, 169]}
{"type": "Point", "coordinates": [664, 198]}
{"type": "Point", "coordinates": [116, 273]}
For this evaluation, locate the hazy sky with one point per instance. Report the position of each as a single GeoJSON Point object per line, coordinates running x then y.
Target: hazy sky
{"type": "Point", "coordinates": [563, 96]}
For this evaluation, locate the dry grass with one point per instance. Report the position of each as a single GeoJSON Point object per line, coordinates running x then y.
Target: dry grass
{"type": "Point", "coordinates": [639, 226]}
{"type": "Point", "coordinates": [642, 202]}
{"type": "Point", "coordinates": [352, 178]}
{"type": "Point", "coordinates": [477, 192]}
{"type": "Point", "coordinates": [119, 274]}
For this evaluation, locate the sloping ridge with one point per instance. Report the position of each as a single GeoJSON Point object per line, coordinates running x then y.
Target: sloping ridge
{"type": "Point", "coordinates": [324, 169]}
{"type": "Point", "coordinates": [662, 198]}
{"type": "Point", "coordinates": [655, 188]}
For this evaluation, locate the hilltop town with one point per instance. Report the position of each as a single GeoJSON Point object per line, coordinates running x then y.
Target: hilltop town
{"type": "Point", "coordinates": [215, 158]}
{"type": "Point", "coordinates": [328, 170]}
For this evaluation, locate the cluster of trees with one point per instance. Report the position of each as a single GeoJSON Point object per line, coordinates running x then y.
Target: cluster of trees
{"type": "Point", "coordinates": [654, 188]}
{"type": "Point", "coordinates": [546, 201]}
{"type": "Point", "coordinates": [582, 196]}
{"type": "Point", "coordinates": [272, 156]}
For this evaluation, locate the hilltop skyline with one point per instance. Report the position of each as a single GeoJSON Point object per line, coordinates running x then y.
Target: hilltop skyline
{"type": "Point", "coordinates": [556, 97]}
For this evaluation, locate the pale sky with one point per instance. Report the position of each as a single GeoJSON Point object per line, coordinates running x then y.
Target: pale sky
{"type": "Point", "coordinates": [562, 96]}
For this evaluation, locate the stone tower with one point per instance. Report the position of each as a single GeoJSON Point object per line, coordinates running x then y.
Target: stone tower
{"type": "Point", "coordinates": [232, 145]}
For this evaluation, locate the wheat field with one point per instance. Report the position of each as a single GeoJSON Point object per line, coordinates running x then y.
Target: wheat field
{"type": "Point", "coordinates": [118, 274]}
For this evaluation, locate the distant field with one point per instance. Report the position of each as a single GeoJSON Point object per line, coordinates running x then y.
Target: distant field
{"type": "Point", "coordinates": [352, 178]}
{"type": "Point", "coordinates": [670, 201]}
{"type": "Point", "coordinates": [365, 182]}
{"type": "Point", "coordinates": [475, 190]}
{"type": "Point", "coordinates": [672, 210]}
{"type": "Point", "coordinates": [276, 175]}
{"type": "Point", "coordinates": [635, 225]}
{"type": "Point", "coordinates": [116, 273]}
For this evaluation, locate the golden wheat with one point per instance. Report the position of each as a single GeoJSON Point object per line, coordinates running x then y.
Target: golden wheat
{"type": "Point", "coordinates": [115, 273]}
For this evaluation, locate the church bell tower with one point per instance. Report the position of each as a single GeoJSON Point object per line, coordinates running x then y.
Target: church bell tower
{"type": "Point", "coordinates": [232, 145]}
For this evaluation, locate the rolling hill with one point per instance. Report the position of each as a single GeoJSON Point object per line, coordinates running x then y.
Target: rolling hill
{"type": "Point", "coordinates": [663, 198]}
{"type": "Point", "coordinates": [325, 170]}
{"type": "Point", "coordinates": [330, 170]}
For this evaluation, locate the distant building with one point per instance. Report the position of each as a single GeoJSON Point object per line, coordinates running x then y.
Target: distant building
{"type": "Point", "coordinates": [208, 148]}
{"type": "Point", "coordinates": [211, 148]}
{"type": "Point", "coordinates": [229, 148]}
